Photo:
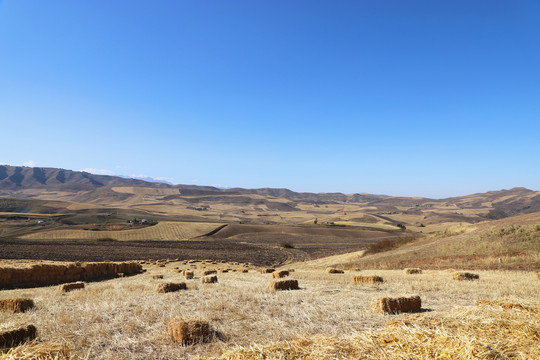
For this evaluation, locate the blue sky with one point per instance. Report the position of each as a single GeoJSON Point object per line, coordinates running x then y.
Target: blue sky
{"type": "Point", "coordinates": [413, 98]}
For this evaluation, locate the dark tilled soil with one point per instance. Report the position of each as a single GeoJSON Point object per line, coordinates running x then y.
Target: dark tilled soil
{"type": "Point", "coordinates": [258, 248]}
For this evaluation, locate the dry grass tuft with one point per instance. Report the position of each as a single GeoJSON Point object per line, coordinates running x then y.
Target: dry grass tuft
{"type": "Point", "coordinates": [38, 351]}
{"type": "Point", "coordinates": [412, 271]}
{"type": "Point", "coordinates": [396, 305]}
{"type": "Point", "coordinates": [463, 334]}
{"type": "Point", "coordinates": [188, 332]}
{"type": "Point", "coordinates": [465, 276]}
{"type": "Point", "coordinates": [283, 285]}
{"type": "Point", "coordinates": [359, 279]}
{"type": "Point", "coordinates": [209, 279]}
{"type": "Point", "coordinates": [18, 336]}
{"type": "Point", "coordinates": [506, 305]}
{"type": "Point", "coordinates": [16, 305]}
{"type": "Point", "coordinates": [331, 270]}
{"type": "Point", "coordinates": [280, 274]}
{"type": "Point", "coordinates": [171, 287]}
{"type": "Point", "coordinates": [64, 288]}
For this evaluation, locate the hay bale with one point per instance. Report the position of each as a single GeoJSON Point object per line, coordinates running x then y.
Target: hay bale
{"type": "Point", "coordinates": [70, 287]}
{"type": "Point", "coordinates": [396, 305]}
{"type": "Point", "coordinates": [224, 271]}
{"type": "Point", "coordinates": [157, 277]}
{"type": "Point", "coordinates": [267, 271]}
{"type": "Point", "coordinates": [209, 272]}
{"type": "Point", "coordinates": [244, 271]}
{"type": "Point", "coordinates": [359, 279]}
{"type": "Point", "coordinates": [16, 305]}
{"type": "Point", "coordinates": [412, 271]}
{"type": "Point", "coordinates": [280, 274]}
{"type": "Point", "coordinates": [188, 332]}
{"type": "Point", "coordinates": [171, 287]}
{"type": "Point", "coordinates": [209, 279]}
{"type": "Point", "coordinates": [283, 285]}
{"type": "Point", "coordinates": [332, 270]}
{"type": "Point", "coordinates": [188, 274]}
{"type": "Point", "coordinates": [465, 276]}
{"type": "Point", "coordinates": [18, 336]}
{"type": "Point", "coordinates": [538, 275]}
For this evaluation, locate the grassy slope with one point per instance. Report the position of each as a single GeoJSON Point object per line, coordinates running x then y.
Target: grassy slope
{"type": "Point", "coordinates": [515, 240]}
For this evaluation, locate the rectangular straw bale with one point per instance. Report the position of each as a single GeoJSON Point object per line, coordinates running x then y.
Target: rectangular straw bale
{"type": "Point", "coordinates": [332, 270]}
{"type": "Point", "coordinates": [412, 271]}
{"type": "Point", "coordinates": [157, 277]}
{"type": "Point", "coordinates": [188, 274]}
{"type": "Point", "coordinates": [283, 285]}
{"type": "Point", "coordinates": [209, 279]}
{"type": "Point", "coordinates": [244, 271]}
{"type": "Point", "coordinates": [18, 336]}
{"type": "Point", "coordinates": [267, 271]}
{"type": "Point", "coordinates": [359, 279]}
{"type": "Point", "coordinates": [16, 305]}
{"type": "Point", "coordinates": [209, 272]}
{"type": "Point", "coordinates": [280, 274]}
{"type": "Point", "coordinates": [171, 287]}
{"type": "Point", "coordinates": [465, 276]}
{"type": "Point", "coordinates": [224, 271]}
{"type": "Point", "coordinates": [71, 287]}
{"type": "Point", "coordinates": [396, 305]}
{"type": "Point", "coordinates": [188, 332]}
{"type": "Point", "coordinates": [538, 275]}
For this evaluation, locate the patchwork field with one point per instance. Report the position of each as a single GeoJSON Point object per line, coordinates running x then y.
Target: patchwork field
{"type": "Point", "coordinates": [328, 317]}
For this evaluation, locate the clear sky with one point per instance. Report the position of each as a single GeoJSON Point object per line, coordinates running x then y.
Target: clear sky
{"type": "Point", "coordinates": [403, 97]}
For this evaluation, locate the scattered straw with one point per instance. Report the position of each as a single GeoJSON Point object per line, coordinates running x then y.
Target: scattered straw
{"type": "Point", "coordinates": [38, 351]}
{"type": "Point", "coordinates": [506, 305]}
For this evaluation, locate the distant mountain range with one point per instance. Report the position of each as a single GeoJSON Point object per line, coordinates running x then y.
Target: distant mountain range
{"type": "Point", "coordinates": [84, 187]}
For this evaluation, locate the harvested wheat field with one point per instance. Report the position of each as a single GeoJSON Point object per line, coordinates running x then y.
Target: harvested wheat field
{"type": "Point", "coordinates": [125, 318]}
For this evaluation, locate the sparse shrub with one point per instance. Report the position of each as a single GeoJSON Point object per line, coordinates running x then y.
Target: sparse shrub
{"type": "Point", "coordinates": [402, 227]}
{"type": "Point", "coordinates": [286, 245]}
{"type": "Point", "coordinates": [396, 305]}
{"type": "Point", "coordinates": [465, 276]}
{"type": "Point", "coordinates": [106, 239]}
{"type": "Point", "coordinates": [412, 271]}
{"type": "Point", "coordinates": [332, 270]}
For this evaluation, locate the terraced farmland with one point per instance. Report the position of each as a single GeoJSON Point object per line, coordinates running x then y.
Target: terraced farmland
{"type": "Point", "coordinates": [166, 230]}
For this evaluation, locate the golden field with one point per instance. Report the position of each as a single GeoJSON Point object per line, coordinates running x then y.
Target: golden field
{"type": "Point", "coordinates": [329, 317]}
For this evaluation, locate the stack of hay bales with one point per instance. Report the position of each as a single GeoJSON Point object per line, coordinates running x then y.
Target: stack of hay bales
{"type": "Point", "coordinates": [70, 287]}
{"type": "Point", "coordinates": [209, 279]}
{"type": "Point", "coordinates": [280, 274]}
{"type": "Point", "coordinates": [51, 274]}
{"type": "Point", "coordinates": [332, 270]}
{"type": "Point", "coordinates": [465, 276]}
{"type": "Point", "coordinates": [16, 305]}
{"type": "Point", "coordinates": [359, 279]}
{"type": "Point", "coordinates": [171, 287]}
{"type": "Point", "coordinates": [396, 305]}
{"type": "Point", "coordinates": [412, 271]}
{"type": "Point", "coordinates": [188, 332]}
{"type": "Point", "coordinates": [279, 285]}
{"type": "Point", "coordinates": [18, 336]}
